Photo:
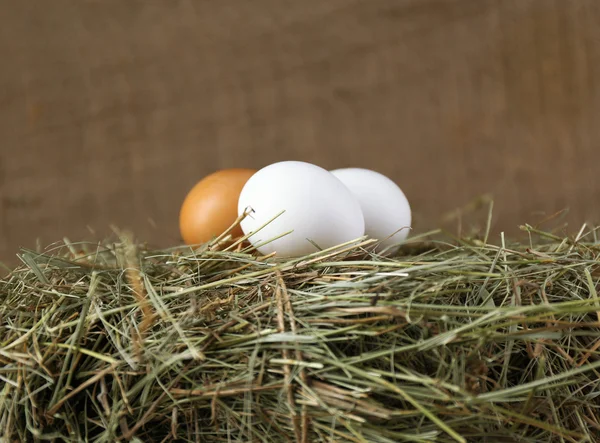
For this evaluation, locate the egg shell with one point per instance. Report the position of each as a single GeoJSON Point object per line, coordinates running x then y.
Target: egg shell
{"type": "Point", "coordinates": [318, 208]}
{"type": "Point", "coordinates": [210, 207]}
{"type": "Point", "coordinates": [385, 208]}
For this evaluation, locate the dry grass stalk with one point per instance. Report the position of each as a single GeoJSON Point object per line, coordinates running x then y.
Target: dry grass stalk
{"type": "Point", "coordinates": [448, 341]}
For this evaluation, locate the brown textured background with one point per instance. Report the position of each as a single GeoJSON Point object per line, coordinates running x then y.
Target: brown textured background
{"type": "Point", "coordinates": [111, 110]}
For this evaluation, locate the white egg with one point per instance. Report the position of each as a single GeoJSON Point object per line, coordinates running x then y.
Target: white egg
{"type": "Point", "coordinates": [385, 208]}
{"type": "Point", "coordinates": [319, 209]}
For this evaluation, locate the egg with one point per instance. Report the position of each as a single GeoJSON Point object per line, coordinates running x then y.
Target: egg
{"type": "Point", "coordinates": [210, 207]}
{"type": "Point", "coordinates": [385, 208]}
{"type": "Point", "coordinates": [319, 209]}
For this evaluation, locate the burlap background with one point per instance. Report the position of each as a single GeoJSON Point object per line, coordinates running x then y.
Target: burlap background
{"type": "Point", "coordinates": [111, 109]}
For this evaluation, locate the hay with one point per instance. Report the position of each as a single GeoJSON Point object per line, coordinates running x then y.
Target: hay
{"type": "Point", "coordinates": [449, 341]}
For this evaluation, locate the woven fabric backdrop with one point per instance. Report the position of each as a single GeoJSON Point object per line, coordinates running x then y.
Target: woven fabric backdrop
{"type": "Point", "coordinates": [111, 110]}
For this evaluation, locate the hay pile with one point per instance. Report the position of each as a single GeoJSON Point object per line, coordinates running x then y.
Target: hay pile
{"type": "Point", "coordinates": [449, 341]}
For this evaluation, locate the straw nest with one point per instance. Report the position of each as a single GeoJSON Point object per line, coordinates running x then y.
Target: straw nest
{"type": "Point", "coordinates": [448, 341]}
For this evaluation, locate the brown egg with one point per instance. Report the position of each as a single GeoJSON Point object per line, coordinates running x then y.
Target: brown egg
{"type": "Point", "coordinates": [211, 206]}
